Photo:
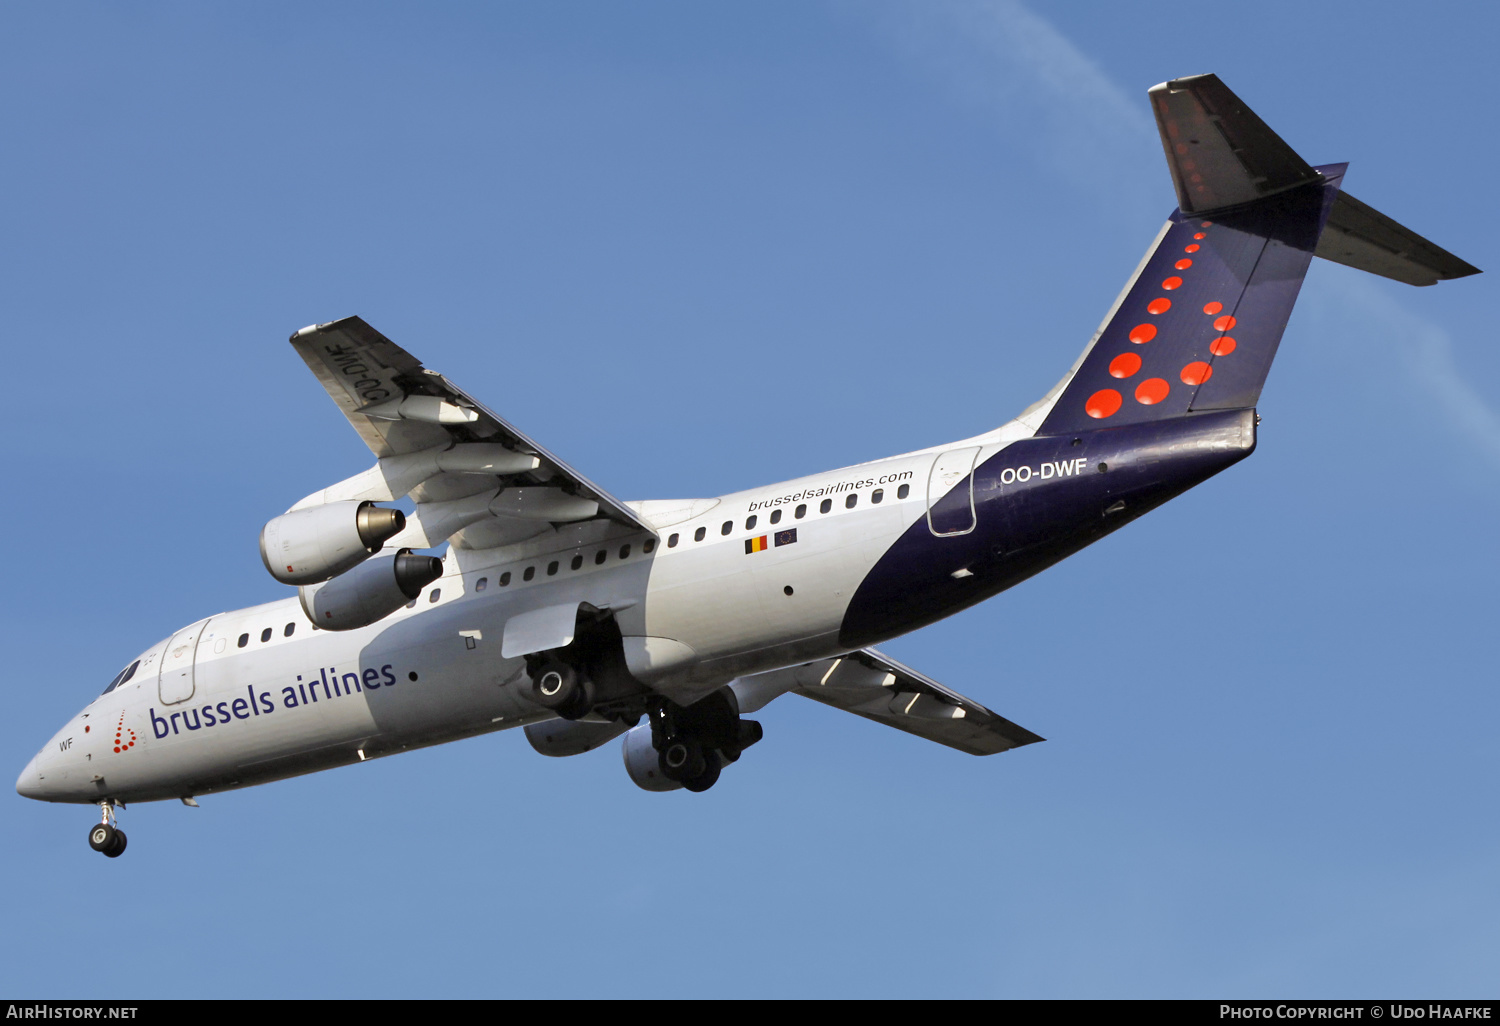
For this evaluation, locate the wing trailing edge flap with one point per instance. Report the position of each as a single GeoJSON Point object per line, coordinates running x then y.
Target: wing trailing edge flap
{"type": "Point", "coordinates": [467, 469]}
{"type": "Point", "coordinates": [869, 684]}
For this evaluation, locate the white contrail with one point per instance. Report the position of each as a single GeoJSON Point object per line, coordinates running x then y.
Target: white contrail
{"type": "Point", "coordinates": [1002, 56]}
{"type": "Point", "coordinates": [999, 55]}
{"type": "Point", "coordinates": [1351, 305]}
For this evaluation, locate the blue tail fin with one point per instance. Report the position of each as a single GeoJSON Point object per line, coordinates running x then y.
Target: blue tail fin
{"type": "Point", "coordinates": [1199, 326]}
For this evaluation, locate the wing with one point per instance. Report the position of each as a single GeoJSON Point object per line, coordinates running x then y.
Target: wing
{"type": "Point", "coordinates": [476, 479]}
{"type": "Point", "coordinates": [869, 684]}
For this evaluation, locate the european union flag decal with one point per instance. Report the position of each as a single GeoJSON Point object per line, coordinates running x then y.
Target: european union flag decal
{"type": "Point", "coordinates": [786, 537]}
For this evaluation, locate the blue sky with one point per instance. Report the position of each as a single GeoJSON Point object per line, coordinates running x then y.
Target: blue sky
{"type": "Point", "coordinates": [694, 248]}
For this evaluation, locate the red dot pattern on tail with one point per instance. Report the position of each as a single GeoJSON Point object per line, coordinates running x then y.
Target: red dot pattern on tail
{"type": "Point", "coordinates": [1103, 403]}
{"type": "Point", "coordinates": [1106, 402]}
{"type": "Point", "coordinates": [1196, 373]}
{"type": "Point", "coordinates": [1124, 365]}
{"type": "Point", "coordinates": [1152, 391]}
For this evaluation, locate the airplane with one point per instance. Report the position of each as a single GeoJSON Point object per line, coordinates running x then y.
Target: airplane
{"type": "Point", "coordinates": [580, 618]}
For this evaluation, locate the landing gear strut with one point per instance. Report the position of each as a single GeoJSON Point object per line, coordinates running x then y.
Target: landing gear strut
{"type": "Point", "coordinates": [105, 836]}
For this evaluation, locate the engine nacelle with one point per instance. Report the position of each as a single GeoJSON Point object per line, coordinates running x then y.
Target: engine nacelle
{"type": "Point", "coordinates": [310, 545]}
{"type": "Point", "coordinates": [371, 591]}
{"type": "Point", "coordinates": [643, 763]}
{"type": "Point", "coordinates": [573, 737]}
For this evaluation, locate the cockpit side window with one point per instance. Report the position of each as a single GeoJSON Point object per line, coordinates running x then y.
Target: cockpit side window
{"type": "Point", "coordinates": [123, 677]}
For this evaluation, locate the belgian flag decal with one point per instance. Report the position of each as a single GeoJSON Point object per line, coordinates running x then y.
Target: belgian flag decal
{"type": "Point", "coordinates": [756, 544]}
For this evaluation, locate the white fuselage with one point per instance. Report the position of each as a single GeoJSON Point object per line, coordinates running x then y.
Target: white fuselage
{"type": "Point", "coordinates": [258, 694]}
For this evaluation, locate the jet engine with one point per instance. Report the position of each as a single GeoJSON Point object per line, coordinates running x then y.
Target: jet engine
{"type": "Point", "coordinates": [310, 545]}
{"type": "Point", "coordinates": [643, 762]}
{"type": "Point", "coordinates": [572, 737]}
{"type": "Point", "coordinates": [371, 591]}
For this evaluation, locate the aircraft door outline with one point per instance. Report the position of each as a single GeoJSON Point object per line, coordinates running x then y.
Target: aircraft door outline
{"type": "Point", "coordinates": [175, 681]}
{"type": "Point", "coordinates": [947, 470]}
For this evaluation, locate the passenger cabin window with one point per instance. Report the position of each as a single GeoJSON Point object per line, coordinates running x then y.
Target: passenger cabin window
{"type": "Point", "coordinates": [505, 579]}
{"type": "Point", "coordinates": [529, 574]}
{"type": "Point", "coordinates": [825, 506]}
{"type": "Point", "coordinates": [624, 551]}
{"type": "Point", "coordinates": [728, 526]}
{"type": "Point", "coordinates": [577, 563]}
{"type": "Point", "coordinates": [648, 545]}
{"type": "Point", "coordinates": [289, 628]}
{"type": "Point", "coordinates": [852, 501]}
{"type": "Point", "coordinates": [698, 534]}
{"type": "Point", "coordinates": [903, 491]}
{"type": "Point", "coordinates": [436, 592]}
{"type": "Point", "coordinates": [412, 604]}
{"type": "Point", "coordinates": [244, 640]}
{"type": "Point", "coordinates": [876, 496]}
{"type": "Point", "coordinates": [801, 511]}
{"type": "Point", "coordinates": [481, 584]}
{"type": "Point", "coordinates": [552, 568]}
{"type": "Point", "coordinates": [600, 557]}
{"type": "Point", "coordinates": [265, 635]}
{"type": "Point", "coordinates": [750, 522]}
{"type": "Point", "coordinates": [672, 541]}
{"type": "Point", "coordinates": [775, 516]}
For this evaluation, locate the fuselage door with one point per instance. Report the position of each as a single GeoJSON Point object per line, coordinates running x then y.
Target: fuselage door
{"type": "Point", "coordinates": [950, 510]}
{"type": "Point", "coordinates": [174, 681]}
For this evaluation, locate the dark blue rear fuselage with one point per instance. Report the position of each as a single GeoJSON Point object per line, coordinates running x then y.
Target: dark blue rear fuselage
{"type": "Point", "coordinates": [1036, 502]}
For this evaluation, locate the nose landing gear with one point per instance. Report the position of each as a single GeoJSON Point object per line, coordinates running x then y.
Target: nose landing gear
{"type": "Point", "coordinates": [104, 836]}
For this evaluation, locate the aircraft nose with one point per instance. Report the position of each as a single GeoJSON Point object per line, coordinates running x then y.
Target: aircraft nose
{"type": "Point", "coordinates": [29, 783]}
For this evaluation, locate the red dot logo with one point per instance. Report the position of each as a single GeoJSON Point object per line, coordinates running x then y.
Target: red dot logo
{"type": "Point", "coordinates": [1151, 391]}
{"type": "Point", "coordinates": [120, 731]}
{"type": "Point", "coordinates": [1103, 403]}
{"type": "Point", "coordinates": [1159, 306]}
{"type": "Point", "coordinates": [1171, 283]}
{"type": "Point", "coordinates": [1183, 264]}
{"type": "Point", "coordinates": [1207, 224]}
{"type": "Point", "coordinates": [1222, 346]}
{"type": "Point", "coordinates": [1142, 333]}
{"type": "Point", "coordinates": [1124, 365]}
{"type": "Point", "coordinates": [1196, 373]}
{"type": "Point", "coordinates": [1200, 235]}
{"type": "Point", "coordinates": [1213, 308]}
{"type": "Point", "coordinates": [1190, 249]}
{"type": "Point", "coordinates": [1225, 323]}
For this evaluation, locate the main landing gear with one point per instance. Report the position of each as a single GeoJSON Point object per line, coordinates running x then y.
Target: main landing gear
{"type": "Point", "coordinates": [694, 743]}
{"type": "Point", "coordinates": [105, 836]}
{"type": "Point", "coordinates": [559, 686]}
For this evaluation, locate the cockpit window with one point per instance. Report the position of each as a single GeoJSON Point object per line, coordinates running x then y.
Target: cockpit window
{"type": "Point", "coordinates": [123, 676]}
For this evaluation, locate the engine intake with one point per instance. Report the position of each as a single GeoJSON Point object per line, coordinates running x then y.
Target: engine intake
{"type": "Point", "coordinates": [310, 545]}
{"type": "Point", "coordinates": [370, 592]}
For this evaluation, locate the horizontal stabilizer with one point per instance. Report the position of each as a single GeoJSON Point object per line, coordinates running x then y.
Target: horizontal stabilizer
{"type": "Point", "coordinates": [878, 688]}
{"type": "Point", "coordinates": [1361, 237]}
{"type": "Point", "coordinates": [1221, 154]}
